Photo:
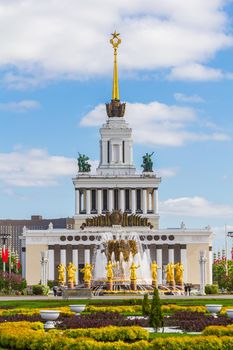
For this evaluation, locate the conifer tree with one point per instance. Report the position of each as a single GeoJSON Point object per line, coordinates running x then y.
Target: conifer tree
{"type": "Point", "coordinates": [146, 305]}
{"type": "Point", "coordinates": [156, 317]}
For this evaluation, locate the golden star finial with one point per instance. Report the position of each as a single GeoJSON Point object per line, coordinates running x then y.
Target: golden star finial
{"type": "Point", "coordinates": [116, 40]}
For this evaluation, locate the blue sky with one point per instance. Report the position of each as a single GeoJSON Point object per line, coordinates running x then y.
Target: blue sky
{"type": "Point", "coordinates": [176, 76]}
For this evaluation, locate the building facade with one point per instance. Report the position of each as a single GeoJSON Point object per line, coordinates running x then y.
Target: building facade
{"type": "Point", "coordinates": [117, 201]}
{"type": "Point", "coordinates": [14, 228]}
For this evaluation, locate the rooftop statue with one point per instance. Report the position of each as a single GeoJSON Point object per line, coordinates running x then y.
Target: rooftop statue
{"type": "Point", "coordinates": [83, 165]}
{"type": "Point", "coordinates": [147, 164]}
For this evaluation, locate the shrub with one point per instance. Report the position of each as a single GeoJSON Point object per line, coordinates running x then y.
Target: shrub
{"type": "Point", "coordinates": [52, 283]}
{"type": "Point", "coordinates": [211, 289]}
{"type": "Point", "coordinates": [146, 305]}
{"type": "Point", "coordinates": [156, 317]}
{"type": "Point", "coordinates": [39, 289]}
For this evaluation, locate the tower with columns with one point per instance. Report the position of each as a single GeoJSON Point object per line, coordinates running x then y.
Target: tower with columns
{"type": "Point", "coordinates": [116, 187]}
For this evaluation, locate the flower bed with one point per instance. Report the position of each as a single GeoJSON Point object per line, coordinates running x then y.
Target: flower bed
{"type": "Point", "coordinates": [219, 330]}
{"type": "Point", "coordinates": [194, 321]}
{"type": "Point", "coordinates": [100, 319]}
{"type": "Point", "coordinates": [31, 336]}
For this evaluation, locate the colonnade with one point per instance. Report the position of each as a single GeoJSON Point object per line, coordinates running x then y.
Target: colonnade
{"type": "Point", "coordinates": [81, 255]}
{"type": "Point", "coordinates": [97, 201]}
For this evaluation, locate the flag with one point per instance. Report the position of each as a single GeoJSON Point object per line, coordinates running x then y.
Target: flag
{"type": "Point", "coordinates": [5, 255]}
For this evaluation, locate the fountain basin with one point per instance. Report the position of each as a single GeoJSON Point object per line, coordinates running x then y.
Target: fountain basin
{"type": "Point", "coordinates": [77, 308]}
{"type": "Point", "coordinates": [230, 313]}
{"type": "Point", "coordinates": [213, 308]}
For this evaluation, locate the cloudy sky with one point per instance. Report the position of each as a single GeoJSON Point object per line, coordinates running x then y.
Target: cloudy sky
{"type": "Point", "coordinates": [176, 76]}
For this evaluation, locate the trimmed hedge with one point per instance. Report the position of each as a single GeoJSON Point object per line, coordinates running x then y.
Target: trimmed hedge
{"type": "Point", "coordinates": [219, 331]}
{"type": "Point", "coordinates": [31, 336]}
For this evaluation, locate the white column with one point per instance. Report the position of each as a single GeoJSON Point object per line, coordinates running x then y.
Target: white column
{"type": "Point", "coordinates": [99, 201]}
{"type": "Point", "coordinates": [210, 279]}
{"type": "Point", "coordinates": [81, 194]}
{"type": "Point", "coordinates": [122, 200]}
{"type": "Point", "coordinates": [133, 201]}
{"type": "Point", "coordinates": [87, 256]}
{"type": "Point", "coordinates": [75, 262]}
{"type": "Point", "coordinates": [156, 201]}
{"type": "Point", "coordinates": [88, 202]}
{"type": "Point", "coordinates": [144, 201]}
{"type": "Point", "coordinates": [77, 209]}
{"type": "Point", "coordinates": [170, 255]}
{"type": "Point", "coordinates": [183, 260]}
{"type": "Point", "coordinates": [63, 256]}
{"type": "Point", "coordinates": [150, 205]}
{"type": "Point", "coordinates": [51, 264]}
{"type": "Point", "coordinates": [159, 263]}
{"type": "Point", "coordinates": [202, 261]}
{"type": "Point", "coordinates": [110, 200]}
{"type": "Point", "coordinates": [23, 264]}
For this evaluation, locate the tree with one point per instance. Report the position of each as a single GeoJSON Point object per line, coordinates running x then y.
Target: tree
{"type": "Point", "coordinates": [156, 317]}
{"type": "Point", "coordinates": [146, 305]}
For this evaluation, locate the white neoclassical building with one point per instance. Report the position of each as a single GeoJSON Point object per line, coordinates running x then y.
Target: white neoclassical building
{"type": "Point", "coordinates": [116, 200]}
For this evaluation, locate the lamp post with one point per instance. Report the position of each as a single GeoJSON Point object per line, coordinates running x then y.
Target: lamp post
{"type": "Point", "coordinates": [4, 236]}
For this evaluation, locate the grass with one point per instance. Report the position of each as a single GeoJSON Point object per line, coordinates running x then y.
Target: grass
{"type": "Point", "coordinates": [169, 335]}
{"type": "Point", "coordinates": [57, 303]}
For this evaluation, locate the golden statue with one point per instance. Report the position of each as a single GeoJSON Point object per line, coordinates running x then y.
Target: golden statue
{"type": "Point", "coordinates": [61, 274]}
{"type": "Point", "coordinates": [179, 273]}
{"type": "Point", "coordinates": [109, 271]}
{"type": "Point", "coordinates": [71, 269]}
{"type": "Point", "coordinates": [154, 268]}
{"type": "Point", "coordinates": [170, 272]}
{"type": "Point", "coordinates": [87, 270]}
{"type": "Point", "coordinates": [133, 276]}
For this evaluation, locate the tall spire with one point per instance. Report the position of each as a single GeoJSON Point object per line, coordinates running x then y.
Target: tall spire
{"type": "Point", "coordinates": [115, 108]}
{"type": "Point", "coordinates": [115, 41]}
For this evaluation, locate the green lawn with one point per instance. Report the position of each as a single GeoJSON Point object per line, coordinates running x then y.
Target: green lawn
{"type": "Point", "coordinates": [56, 303]}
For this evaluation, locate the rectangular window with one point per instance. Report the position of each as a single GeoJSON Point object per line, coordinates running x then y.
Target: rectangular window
{"type": "Point", "coordinates": [138, 200]}
{"type": "Point", "coordinates": [123, 151]}
{"type": "Point", "coordinates": [108, 151]}
{"type": "Point", "coordinates": [116, 207]}
{"type": "Point", "coordinates": [127, 200]}
{"type": "Point", "coordinates": [93, 200]}
{"type": "Point", "coordinates": [105, 200]}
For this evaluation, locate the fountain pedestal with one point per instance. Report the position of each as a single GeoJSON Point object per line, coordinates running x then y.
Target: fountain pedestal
{"type": "Point", "coordinates": [71, 285]}
{"type": "Point", "coordinates": [87, 284]}
{"type": "Point", "coordinates": [133, 285]}
{"type": "Point", "coordinates": [109, 285]}
{"type": "Point", "coordinates": [154, 284]}
{"type": "Point", "coordinates": [171, 284]}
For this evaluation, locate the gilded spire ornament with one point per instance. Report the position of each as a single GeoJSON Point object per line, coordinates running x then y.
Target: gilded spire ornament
{"type": "Point", "coordinates": [115, 108]}
{"type": "Point", "coordinates": [115, 41]}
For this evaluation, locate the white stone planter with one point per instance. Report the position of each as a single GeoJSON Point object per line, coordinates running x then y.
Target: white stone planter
{"type": "Point", "coordinates": [49, 316]}
{"type": "Point", "coordinates": [213, 308]}
{"type": "Point", "coordinates": [77, 308]}
{"type": "Point", "coordinates": [230, 313]}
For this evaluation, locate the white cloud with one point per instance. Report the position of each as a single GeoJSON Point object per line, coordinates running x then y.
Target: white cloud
{"type": "Point", "coordinates": [21, 106]}
{"type": "Point", "coordinates": [187, 99]}
{"type": "Point", "coordinates": [167, 172]}
{"type": "Point", "coordinates": [196, 72]}
{"type": "Point", "coordinates": [35, 168]}
{"type": "Point", "coordinates": [69, 39]}
{"type": "Point", "coordinates": [159, 124]}
{"type": "Point", "coordinates": [195, 207]}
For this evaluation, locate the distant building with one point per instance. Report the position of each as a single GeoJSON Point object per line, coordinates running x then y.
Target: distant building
{"type": "Point", "coordinates": [15, 228]}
